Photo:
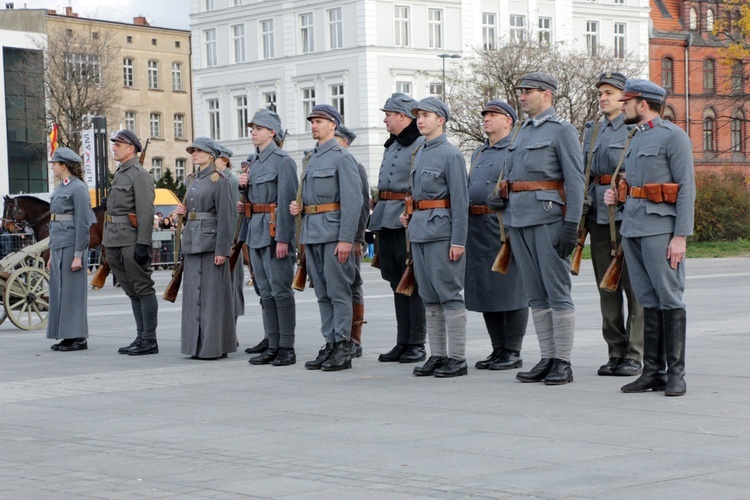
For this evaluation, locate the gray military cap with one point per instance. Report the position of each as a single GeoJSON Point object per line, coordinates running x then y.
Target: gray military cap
{"type": "Point", "coordinates": [612, 78]}
{"type": "Point", "coordinates": [267, 119]}
{"type": "Point", "coordinates": [433, 105]}
{"type": "Point", "coordinates": [538, 80]}
{"type": "Point", "coordinates": [65, 155]}
{"type": "Point", "coordinates": [128, 137]}
{"type": "Point", "coordinates": [645, 89]}
{"type": "Point", "coordinates": [501, 107]}
{"type": "Point", "coordinates": [205, 144]}
{"type": "Point", "coordinates": [345, 133]}
{"type": "Point", "coordinates": [400, 103]}
{"type": "Point", "coordinates": [224, 152]}
{"type": "Point", "coordinates": [325, 111]}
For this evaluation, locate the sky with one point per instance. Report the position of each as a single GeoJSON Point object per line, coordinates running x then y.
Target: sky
{"type": "Point", "coordinates": [161, 13]}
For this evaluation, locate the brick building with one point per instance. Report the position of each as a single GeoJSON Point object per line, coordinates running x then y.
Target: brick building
{"type": "Point", "coordinates": [707, 95]}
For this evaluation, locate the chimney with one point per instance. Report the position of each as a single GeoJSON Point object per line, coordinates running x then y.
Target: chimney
{"type": "Point", "coordinates": [141, 21]}
{"type": "Point", "coordinates": [69, 12]}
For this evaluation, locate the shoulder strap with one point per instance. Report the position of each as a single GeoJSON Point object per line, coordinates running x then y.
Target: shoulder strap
{"type": "Point", "coordinates": [590, 159]}
{"type": "Point", "coordinates": [613, 186]}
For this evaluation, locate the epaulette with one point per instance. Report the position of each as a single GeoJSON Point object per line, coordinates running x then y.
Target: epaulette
{"type": "Point", "coordinates": [278, 151]}
{"type": "Point", "coordinates": [559, 119]}
{"type": "Point", "coordinates": [337, 148]}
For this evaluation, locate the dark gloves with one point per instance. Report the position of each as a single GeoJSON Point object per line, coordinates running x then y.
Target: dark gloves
{"type": "Point", "coordinates": [495, 202]}
{"type": "Point", "coordinates": [142, 253]}
{"type": "Point", "coordinates": [587, 204]}
{"type": "Point", "coordinates": [567, 239]}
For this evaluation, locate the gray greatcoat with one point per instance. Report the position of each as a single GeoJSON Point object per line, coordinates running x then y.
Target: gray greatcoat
{"type": "Point", "coordinates": [238, 275]}
{"type": "Point", "coordinates": [208, 329]}
{"type": "Point", "coordinates": [485, 290]}
{"type": "Point", "coordinates": [67, 240]}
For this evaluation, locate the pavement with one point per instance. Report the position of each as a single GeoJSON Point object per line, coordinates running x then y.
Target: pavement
{"type": "Point", "coordinates": [95, 424]}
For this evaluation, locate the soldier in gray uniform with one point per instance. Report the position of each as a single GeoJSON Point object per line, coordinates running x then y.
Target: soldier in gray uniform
{"type": "Point", "coordinates": [499, 297]}
{"type": "Point", "coordinates": [625, 343]}
{"type": "Point", "coordinates": [545, 173]}
{"type": "Point", "coordinates": [332, 204]}
{"type": "Point", "coordinates": [127, 238]}
{"type": "Point", "coordinates": [658, 217]}
{"type": "Point", "coordinates": [271, 187]}
{"type": "Point", "coordinates": [437, 230]}
{"type": "Point", "coordinates": [393, 186]}
{"type": "Point", "coordinates": [70, 219]}
{"type": "Point", "coordinates": [345, 137]}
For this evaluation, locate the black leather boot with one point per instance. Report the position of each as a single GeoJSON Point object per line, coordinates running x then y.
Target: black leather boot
{"type": "Point", "coordinates": [561, 373]}
{"type": "Point", "coordinates": [485, 363]}
{"type": "Point", "coordinates": [452, 368]}
{"type": "Point", "coordinates": [144, 346]}
{"type": "Point", "coordinates": [263, 359]}
{"type": "Point", "coordinates": [507, 360]}
{"type": "Point", "coordinates": [341, 359]}
{"type": "Point", "coordinates": [538, 373]}
{"type": "Point", "coordinates": [609, 368]}
{"type": "Point", "coordinates": [394, 354]}
{"type": "Point", "coordinates": [126, 349]}
{"type": "Point", "coordinates": [323, 354]}
{"type": "Point", "coordinates": [654, 376]}
{"type": "Point", "coordinates": [414, 354]}
{"type": "Point", "coordinates": [258, 348]}
{"type": "Point", "coordinates": [78, 344]}
{"type": "Point", "coordinates": [433, 363]}
{"type": "Point", "coordinates": [675, 327]}
{"type": "Point", "coordinates": [285, 357]}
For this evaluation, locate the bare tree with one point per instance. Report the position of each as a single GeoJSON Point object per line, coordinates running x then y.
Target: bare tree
{"type": "Point", "coordinates": [493, 74]}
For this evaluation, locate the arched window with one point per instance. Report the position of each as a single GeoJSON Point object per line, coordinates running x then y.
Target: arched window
{"type": "Point", "coordinates": [709, 75]}
{"type": "Point", "coordinates": [738, 131]}
{"type": "Point", "coordinates": [667, 74]}
{"type": "Point", "coordinates": [709, 131]}
{"type": "Point", "coordinates": [738, 77]}
{"type": "Point", "coordinates": [669, 114]}
{"type": "Point", "coordinates": [693, 18]}
{"type": "Point", "coordinates": [709, 20]}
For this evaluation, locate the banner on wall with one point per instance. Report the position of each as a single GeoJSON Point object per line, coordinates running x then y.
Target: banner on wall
{"type": "Point", "coordinates": [89, 162]}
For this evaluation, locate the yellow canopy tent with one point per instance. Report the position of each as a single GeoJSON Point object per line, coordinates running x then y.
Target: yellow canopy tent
{"type": "Point", "coordinates": [164, 197]}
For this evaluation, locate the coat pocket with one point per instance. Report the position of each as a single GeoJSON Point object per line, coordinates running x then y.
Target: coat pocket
{"type": "Point", "coordinates": [431, 182]}
{"type": "Point", "coordinates": [325, 184]}
{"type": "Point", "coordinates": [208, 226]}
{"type": "Point", "coordinates": [540, 155]}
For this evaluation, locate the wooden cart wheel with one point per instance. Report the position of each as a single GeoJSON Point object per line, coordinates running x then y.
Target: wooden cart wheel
{"type": "Point", "coordinates": [3, 315]}
{"type": "Point", "coordinates": [26, 297]}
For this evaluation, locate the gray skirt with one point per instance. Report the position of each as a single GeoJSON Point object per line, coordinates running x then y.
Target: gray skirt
{"type": "Point", "coordinates": [67, 296]}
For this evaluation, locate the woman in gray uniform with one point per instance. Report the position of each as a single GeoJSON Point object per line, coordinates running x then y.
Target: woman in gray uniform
{"type": "Point", "coordinates": [70, 219]}
{"type": "Point", "coordinates": [208, 330]}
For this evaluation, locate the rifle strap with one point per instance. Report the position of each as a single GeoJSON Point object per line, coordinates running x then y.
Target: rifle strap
{"type": "Point", "coordinates": [178, 234]}
{"type": "Point", "coordinates": [406, 237]}
{"type": "Point", "coordinates": [613, 187]}
{"type": "Point", "coordinates": [298, 222]}
{"type": "Point", "coordinates": [589, 163]}
{"type": "Point", "coordinates": [503, 234]}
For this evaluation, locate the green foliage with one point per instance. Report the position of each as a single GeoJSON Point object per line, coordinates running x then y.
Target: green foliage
{"type": "Point", "coordinates": [722, 206]}
{"type": "Point", "coordinates": [168, 181]}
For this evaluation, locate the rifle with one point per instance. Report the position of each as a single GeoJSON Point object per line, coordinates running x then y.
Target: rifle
{"type": "Point", "coordinates": [502, 261]}
{"type": "Point", "coordinates": [583, 228]}
{"type": "Point", "coordinates": [300, 276]}
{"type": "Point", "coordinates": [408, 280]}
{"type": "Point", "coordinates": [100, 278]}
{"type": "Point", "coordinates": [173, 288]}
{"type": "Point", "coordinates": [611, 279]}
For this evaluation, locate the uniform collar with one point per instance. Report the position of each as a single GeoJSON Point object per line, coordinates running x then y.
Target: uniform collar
{"type": "Point", "coordinates": [67, 181]}
{"type": "Point", "coordinates": [501, 144]}
{"type": "Point", "coordinates": [649, 124]}
{"type": "Point", "coordinates": [130, 163]}
{"type": "Point", "coordinates": [436, 141]}
{"type": "Point", "coordinates": [547, 114]}
{"type": "Point", "coordinates": [322, 148]}
{"type": "Point", "coordinates": [263, 155]}
{"type": "Point", "coordinates": [206, 171]}
{"type": "Point", "coordinates": [618, 122]}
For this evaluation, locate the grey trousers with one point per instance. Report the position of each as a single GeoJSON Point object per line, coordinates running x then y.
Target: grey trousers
{"type": "Point", "coordinates": [273, 276]}
{"type": "Point", "coordinates": [439, 279]}
{"type": "Point", "coordinates": [655, 283]}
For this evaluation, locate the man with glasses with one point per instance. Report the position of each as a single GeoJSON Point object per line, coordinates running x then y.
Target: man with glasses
{"type": "Point", "coordinates": [127, 238]}
{"type": "Point", "coordinates": [544, 170]}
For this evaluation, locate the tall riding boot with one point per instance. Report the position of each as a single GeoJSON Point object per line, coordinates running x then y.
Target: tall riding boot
{"type": "Point", "coordinates": [150, 315]}
{"type": "Point", "coordinates": [135, 304]}
{"type": "Point", "coordinates": [287, 318]}
{"type": "Point", "coordinates": [403, 329]}
{"type": "Point", "coordinates": [654, 375]}
{"type": "Point", "coordinates": [271, 327]}
{"type": "Point", "coordinates": [417, 320]}
{"type": "Point", "coordinates": [674, 332]}
{"type": "Point", "coordinates": [358, 319]}
{"type": "Point", "coordinates": [495, 324]}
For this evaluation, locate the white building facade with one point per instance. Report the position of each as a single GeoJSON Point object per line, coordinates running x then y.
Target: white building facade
{"type": "Point", "coordinates": [292, 54]}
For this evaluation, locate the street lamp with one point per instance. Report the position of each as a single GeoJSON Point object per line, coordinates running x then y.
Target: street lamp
{"type": "Point", "coordinates": [444, 57]}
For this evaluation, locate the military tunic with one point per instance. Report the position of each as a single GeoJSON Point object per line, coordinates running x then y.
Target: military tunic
{"type": "Point", "coordinates": [660, 152]}
{"type": "Point", "coordinates": [485, 290]}
{"type": "Point", "coordinates": [208, 329]}
{"type": "Point", "coordinates": [331, 177]}
{"type": "Point", "coordinates": [69, 239]}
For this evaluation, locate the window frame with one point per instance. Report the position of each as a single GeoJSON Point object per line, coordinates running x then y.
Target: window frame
{"type": "Point", "coordinates": [335, 28]}
{"type": "Point", "coordinates": [153, 74]}
{"type": "Point", "coordinates": [435, 28]}
{"type": "Point", "coordinates": [402, 26]}
{"type": "Point", "coordinates": [489, 31]}
{"type": "Point", "coordinates": [307, 33]}
{"type": "Point", "coordinates": [128, 71]}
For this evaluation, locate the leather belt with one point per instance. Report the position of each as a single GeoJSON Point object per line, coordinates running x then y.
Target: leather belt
{"type": "Point", "coordinates": [637, 192]}
{"type": "Point", "coordinates": [391, 195]}
{"type": "Point", "coordinates": [60, 217]}
{"type": "Point", "coordinates": [480, 210]}
{"type": "Point", "coordinates": [536, 185]}
{"type": "Point", "coordinates": [429, 204]}
{"type": "Point", "coordinates": [200, 216]}
{"type": "Point", "coordinates": [321, 209]}
{"type": "Point", "coordinates": [118, 219]}
{"type": "Point", "coordinates": [603, 180]}
{"type": "Point", "coordinates": [264, 208]}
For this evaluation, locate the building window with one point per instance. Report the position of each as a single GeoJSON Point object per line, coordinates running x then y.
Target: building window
{"type": "Point", "coordinates": [709, 75]}
{"type": "Point", "coordinates": [240, 105]}
{"type": "Point", "coordinates": [545, 31]}
{"type": "Point", "coordinates": [83, 67]}
{"type": "Point", "coordinates": [337, 98]}
{"type": "Point", "coordinates": [738, 131]}
{"type": "Point", "coordinates": [130, 120]}
{"type": "Point", "coordinates": [269, 101]}
{"type": "Point", "coordinates": [592, 38]}
{"type": "Point", "coordinates": [177, 44]}
{"type": "Point", "coordinates": [517, 28]}
{"type": "Point", "coordinates": [155, 124]}
{"type": "Point", "coordinates": [306, 33]}
{"type": "Point", "coordinates": [210, 40]}
{"type": "Point", "coordinates": [619, 2]}
{"type": "Point", "coordinates": [401, 31]}
{"type": "Point", "coordinates": [435, 28]}
{"type": "Point", "coordinates": [620, 46]}
{"type": "Point", "coordinates": [709, 124]}
{"type": "Point", "coordinates": [127, 70]}
{"type": "Point", "coordinates": [335, 29]}
{"type": "Point", "coordinates": [709, 20]}
{"type": "Point", "coordinates": [209, 4]}
{"type": "Point", "coordinates": [266, 33]}
{"type": "Point", "coordinates": [156, 164]}
{"type": "Point", "coordinates": [738, 77]}
{"type": "Point", "coordinates": [179, 126]}
{"type": "Point", "coordinates": [129, 39]}
{"type": "Point", "coordinates": [153, 75]}
{"type": "Point", "coordinates": [436, 88]}
{"type": "Point", "coordinates": [237, 2]}
{"type": "Point", "coordinates": [403, 87]}
{"type": "Point", "coordinates": [177, 76]}
{"type": "Point", "coordinates": [667, 74]}
{"type": "Point", "coordinates": [238, 42]}
{"type": "Point", "coordinates": [214, 119]}
{"type": "Point", "coordinates": [308, 101]}
{"type": "Point", "coordinates": [693, 18]}
{"type": "Point", "coordinates": [489, 36]}
{"type": "Point", "coordinates": [180, 165]}
{"type": "Point", "coordinates": [153, 42]}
